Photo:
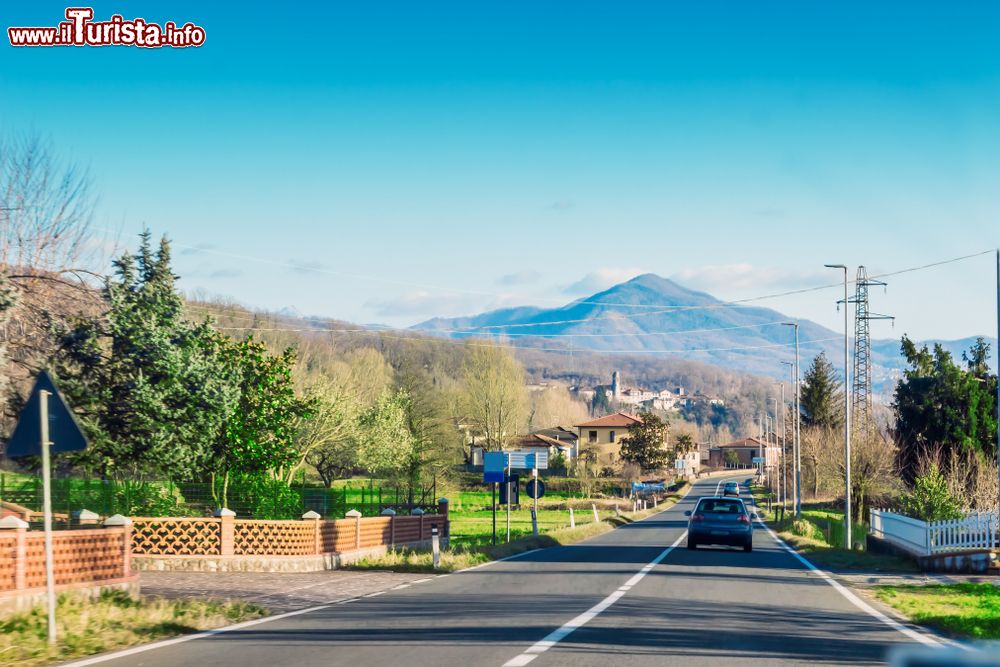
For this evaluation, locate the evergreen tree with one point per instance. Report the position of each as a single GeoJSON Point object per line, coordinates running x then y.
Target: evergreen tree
{"type": "Point", "coordinates": [151, 388]}
{"type": "Point", "coordinates": [821, 399]}
{"type": "Point", "coordinates": [942, 407]}
{"type": "Point", "coordinates": [646, 443]}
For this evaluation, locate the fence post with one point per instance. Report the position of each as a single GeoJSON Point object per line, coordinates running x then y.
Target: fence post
{"type": "Point", "coordinates": [420, 513]}
{"type": "Point", "coordinates": [356, 515]}
{"type": "Point", "coordinates": [391, 513]}
{"type": "Point", "coordinates": [85, 517]}
{"type": "Point", "coordinates": [446, 523]}
{"type": "Point", "coordinates": [126, 525]}
{"type": "Point", "coordinates": [317, 539]}
{"type": "Point", "coordinates": [20, 529]}
{"type": "Point", "coordinates": [227, 531]}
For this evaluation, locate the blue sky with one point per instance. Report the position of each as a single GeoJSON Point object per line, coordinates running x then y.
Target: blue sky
{"type": "Point", "coordinates": [391, 161]}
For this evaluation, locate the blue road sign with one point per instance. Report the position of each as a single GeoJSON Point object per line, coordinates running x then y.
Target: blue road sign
{"type": "Point", "coordinates": [494, 464]}
{"type": "Point", "coordinates": [535, 488]}
{"type": "Point", "coordinates": [64, 433]}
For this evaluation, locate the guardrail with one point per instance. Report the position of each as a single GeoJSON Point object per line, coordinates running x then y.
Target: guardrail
{"type": "Point", "coordinates": [974, 532]}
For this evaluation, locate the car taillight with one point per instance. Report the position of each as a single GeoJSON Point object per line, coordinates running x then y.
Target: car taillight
{"type": "Point", "coordinates": [744, 518]}
{"type": "Point", "coordinates": [698, 517]}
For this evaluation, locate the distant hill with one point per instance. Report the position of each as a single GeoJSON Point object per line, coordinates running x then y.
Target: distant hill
{"type": "Point", "coordinates": [656, 316]}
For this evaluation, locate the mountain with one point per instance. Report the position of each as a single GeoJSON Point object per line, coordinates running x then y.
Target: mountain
{"type": "Point", "coordinates": [656, 316]}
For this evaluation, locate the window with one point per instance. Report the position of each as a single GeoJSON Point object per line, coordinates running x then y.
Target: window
{"type": "Point", "coordinates": [592, 436]}
{"type": "Point", "coordinates": [612, 437]}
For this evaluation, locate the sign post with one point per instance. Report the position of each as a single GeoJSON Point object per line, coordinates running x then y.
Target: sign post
{"type": "Point", "coordinates": [44, 428]}
{"type": "Point", "coordinates": [50, 578]}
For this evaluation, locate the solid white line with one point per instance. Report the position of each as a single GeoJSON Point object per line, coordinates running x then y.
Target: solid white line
{"type": "Point", "coordinates": [186, 638]}
{"type": "Point", "coordinates": [566, 629]}
{"type": "Point", "coordinates": [852, 598]}
{"type": "Point", "coordinates": [848, 594]}
{"type": "Point", "coordinates": [422, 581]}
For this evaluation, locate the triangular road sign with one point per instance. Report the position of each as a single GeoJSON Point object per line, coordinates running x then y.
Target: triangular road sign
{"type": "Point", "coordinates": [64, 432]}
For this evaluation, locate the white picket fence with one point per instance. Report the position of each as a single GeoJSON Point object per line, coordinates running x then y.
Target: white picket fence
{"type": "Point", "coordinates": [922, 538]}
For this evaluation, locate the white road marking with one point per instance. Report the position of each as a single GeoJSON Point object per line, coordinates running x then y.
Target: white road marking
{"type": "Point", "coordinates": [847, 593]}
{"type": "Point", "coordinates": [375, 594]}
{"type": "Point", "coordinates": [186, 638]}
{"type": "Point", "coordinates": [400, 587]}
{"type": "Point", "coordinates": [566, 629]}
{"type": "Point", "coordinates": [422, 581]}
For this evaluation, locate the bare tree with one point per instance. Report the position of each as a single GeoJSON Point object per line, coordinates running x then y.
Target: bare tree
{"type": "Point", "coordinates": [493, 393]}
{"type": "Point", "coordinates": [46, 208]}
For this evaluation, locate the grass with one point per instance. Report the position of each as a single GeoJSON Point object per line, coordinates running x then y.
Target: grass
{"type": "Point", "coordinates": [460, 556]}
{"type": "Point", "coordinates": [475, 528]}
{"type": "Point", "coordinates": [961, 610]}
{"type": "Point", "coordinates": [112, 621]}
{"type": "Point", "coordinates": [819, 533]}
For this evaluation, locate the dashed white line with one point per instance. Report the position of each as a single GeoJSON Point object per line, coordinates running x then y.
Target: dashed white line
{"type": "Point", "coordinates": [566, 629]}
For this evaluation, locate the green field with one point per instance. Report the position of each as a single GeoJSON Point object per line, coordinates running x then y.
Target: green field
{"type": "Point", "coordinates": [475, 527]}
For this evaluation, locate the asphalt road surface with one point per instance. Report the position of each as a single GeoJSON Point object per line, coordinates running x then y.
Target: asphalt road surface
{"type": "Point", "coordinates": [624, 597]}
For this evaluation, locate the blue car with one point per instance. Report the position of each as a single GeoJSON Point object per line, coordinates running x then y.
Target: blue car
{"type": "Point", "coordinates": [723, 521]}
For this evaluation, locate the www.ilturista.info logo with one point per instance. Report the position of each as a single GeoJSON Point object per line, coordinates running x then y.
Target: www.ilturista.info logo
{"type": "Point", "coordinates": [81, 30]}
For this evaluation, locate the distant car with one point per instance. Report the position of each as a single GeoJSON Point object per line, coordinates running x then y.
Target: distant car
{"type": "Point", "coordinates": [720, 521]}
{"type": "Point", "coordinates": [731, 489]}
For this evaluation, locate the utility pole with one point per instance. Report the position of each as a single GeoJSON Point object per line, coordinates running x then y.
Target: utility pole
{"type": "Point", "coordinates": [861, 398]}
{"type": "Point", "coordinates": [996, 355]}
{"type": "Point", "coordinates": [796, 443]}
{"type": "Point", "coordinates": [847, 417]}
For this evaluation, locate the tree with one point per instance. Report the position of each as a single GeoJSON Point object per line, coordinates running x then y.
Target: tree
{"type": "Point", "coordinates": [8, 298]}
{"type": "Point", "coordinates": [645, 444]}
{"type": "Point", "coordinates": [731, 459]}
{"type": "Point", "coordinates": [338, 393]}
{"type": "Point", "coordinates": [260, 431]}
{"type": "Point", "coordinates": [494, 395]}
{"type": "Point", "coordinates": [684, 444]}
{"type": "Point", "coordinates": [555, 406]}
{"type": "Point", "coordinates": [821, 397]}
{"type": "Point", "coordinates": [943, 407]}
{"type": "Point", "coordinates": [384, 442]}
{"type": "Point", "coordinates": [152, 389]}
{"type": "Point", "coordinates": [930, 499]}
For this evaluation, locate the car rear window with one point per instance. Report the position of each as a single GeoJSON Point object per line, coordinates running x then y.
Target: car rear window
{"type": "Point", "coordinates": [721, 506]}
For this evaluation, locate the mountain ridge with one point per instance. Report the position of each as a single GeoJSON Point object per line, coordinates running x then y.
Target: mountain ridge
{"type": "Point", "coordinates": [649, 314]}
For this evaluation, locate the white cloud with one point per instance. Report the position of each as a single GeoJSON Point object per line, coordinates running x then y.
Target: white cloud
{"type": "Point", "coordinates": [747, 276]}
{"type": "Point", "coordinates": [601, 279]}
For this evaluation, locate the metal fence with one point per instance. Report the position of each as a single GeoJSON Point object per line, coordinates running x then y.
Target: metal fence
{"type": "Point", "coordinates": [262, 500]}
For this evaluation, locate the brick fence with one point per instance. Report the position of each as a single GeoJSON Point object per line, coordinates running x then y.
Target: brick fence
{"type": "Point", "coordinates": [91, 558]}
{"type": "Point", "coordinates": [225, 542]}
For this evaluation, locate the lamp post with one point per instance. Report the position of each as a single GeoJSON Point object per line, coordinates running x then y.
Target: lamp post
{"type": "Point", "coordinates": [784, 442]}
{"type": "Point", "coordinates": [847, 419]}
{"type": "Point", "coordinates": [767, 438]}
{"type": "Point", "coordinates": [796, 442]}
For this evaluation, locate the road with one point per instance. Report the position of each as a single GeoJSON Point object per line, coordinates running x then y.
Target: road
{"type": "Point", "coordinates": [623, 597]}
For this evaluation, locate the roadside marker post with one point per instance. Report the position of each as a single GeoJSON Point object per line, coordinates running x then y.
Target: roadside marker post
{"type": "Point", "coordinates": [572, 521]}
{"type": "Point", "coordinates": [44, 428]}
{"type": "Point", "coordinates": [594, 507]}
{"type": "Point", "coordinates": [435, 547]}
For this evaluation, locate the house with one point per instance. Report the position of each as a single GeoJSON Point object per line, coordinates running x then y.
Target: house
{"type": "Point", "coordinates": [603, 435]}
{"type": "Point", "coordinates": [744, 450]}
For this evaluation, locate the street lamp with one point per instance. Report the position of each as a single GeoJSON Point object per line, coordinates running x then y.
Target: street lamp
{"type": "Point", "coordinates": [767, 438]}
{"type": "Point", "coordinates": [782, 467]}
{"type": "Point", "coordinates": [796, 442]}
{"type": "Point", "coordinates": [847, 420]}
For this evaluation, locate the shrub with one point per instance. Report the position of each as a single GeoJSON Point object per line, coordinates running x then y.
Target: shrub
{"type": "Point", "coordinates": [930, 499]}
